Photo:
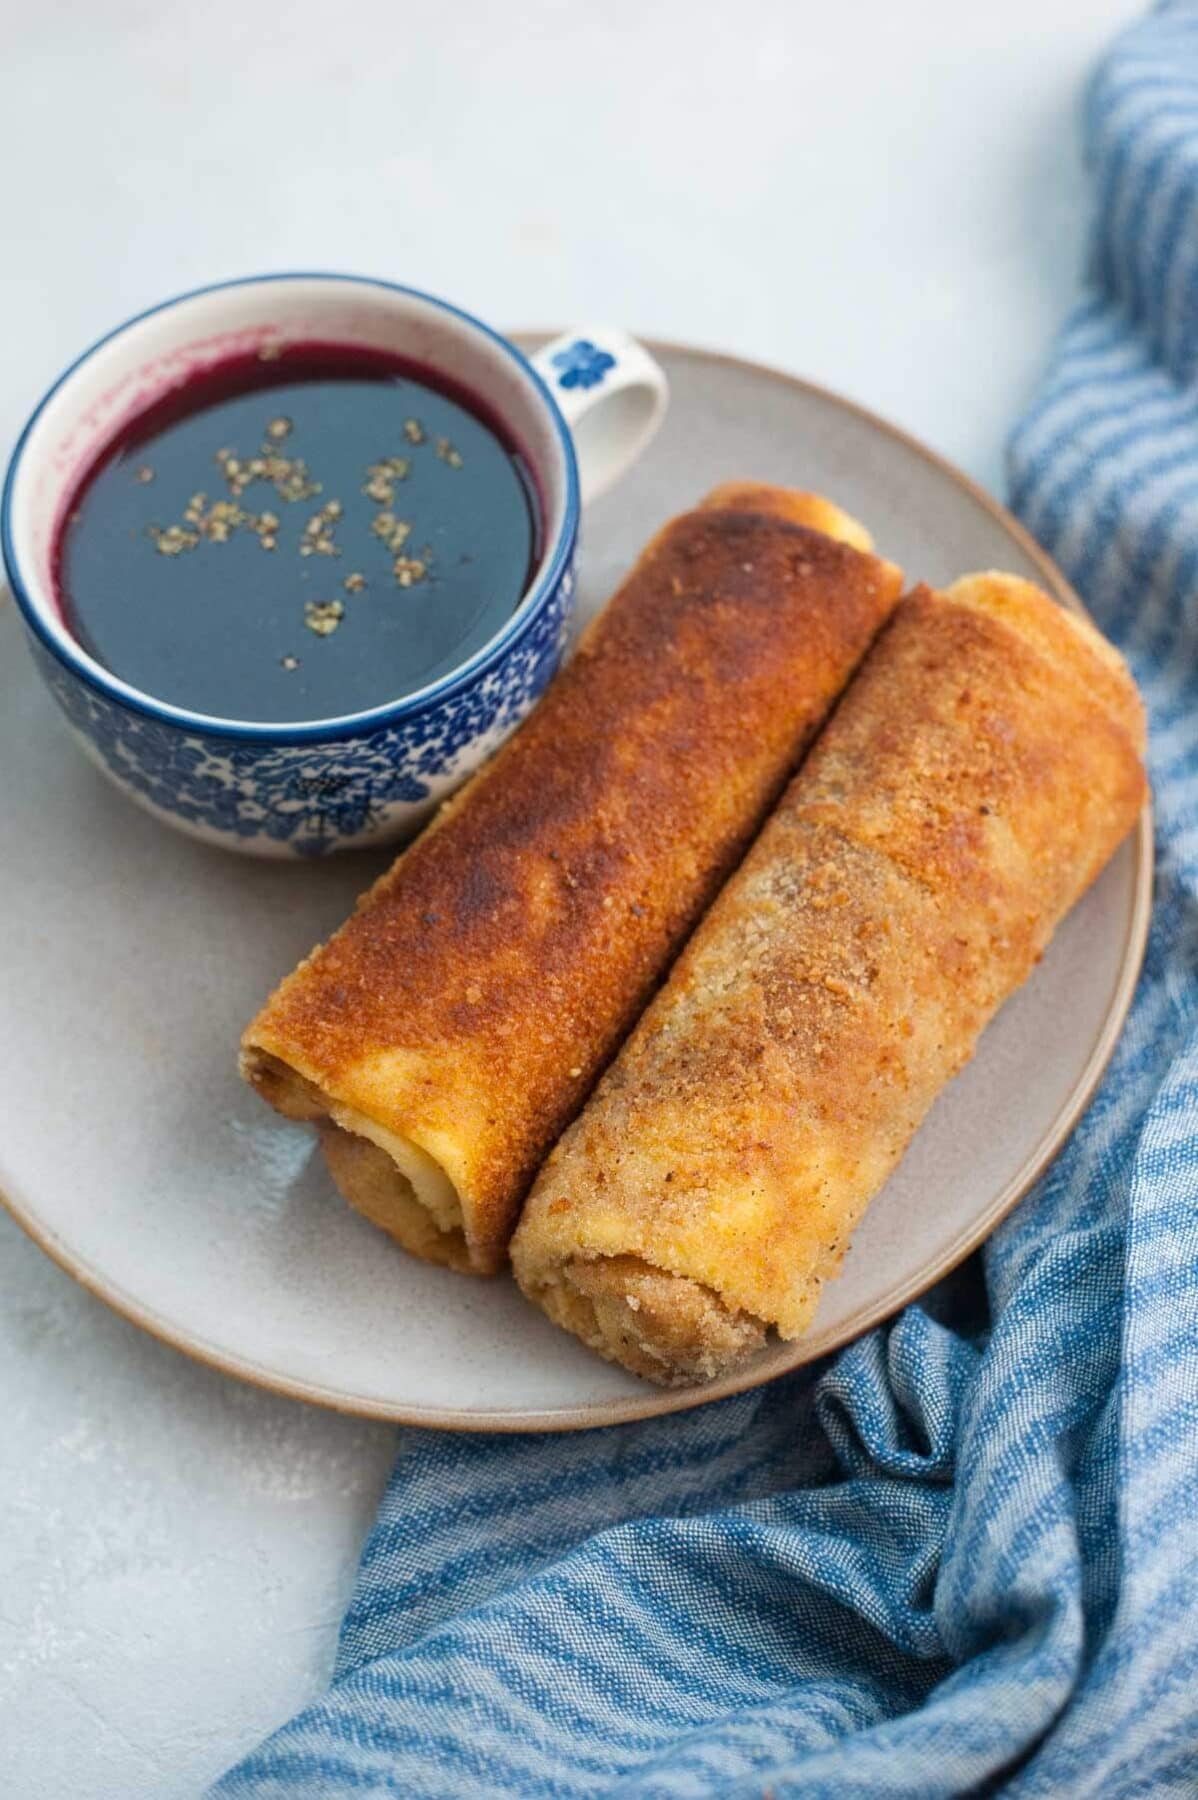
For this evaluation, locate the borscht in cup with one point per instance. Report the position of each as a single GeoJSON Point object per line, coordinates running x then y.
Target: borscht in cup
{"type": "Point", "coordinates": [296, 553]}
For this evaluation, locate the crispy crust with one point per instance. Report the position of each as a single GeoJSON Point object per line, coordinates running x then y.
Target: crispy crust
{"type": "Point", "coordinates": [812, 510]}
{"type": "Point", "coordinates": [978, 774]}
{"type": "Point", "coordinates": [467, 1007]}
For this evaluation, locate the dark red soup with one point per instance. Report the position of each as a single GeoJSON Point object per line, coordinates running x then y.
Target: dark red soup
{"type": "Point", "coordinates": [298, 533]}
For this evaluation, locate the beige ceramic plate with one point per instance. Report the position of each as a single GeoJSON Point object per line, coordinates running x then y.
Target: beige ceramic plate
{"type": "Point", "coordinates": [130, 958]}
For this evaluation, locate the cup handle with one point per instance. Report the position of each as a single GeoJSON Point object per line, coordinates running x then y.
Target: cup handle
{"type": "Point", "coordinates": [612, 395]}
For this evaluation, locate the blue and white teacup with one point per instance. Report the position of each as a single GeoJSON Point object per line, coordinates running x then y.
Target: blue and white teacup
{"type": "Point", "coordinates": [582, 410]}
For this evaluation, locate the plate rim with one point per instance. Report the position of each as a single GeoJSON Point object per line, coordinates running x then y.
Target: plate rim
{"type": "Point", "coordinates": [656, 1402]}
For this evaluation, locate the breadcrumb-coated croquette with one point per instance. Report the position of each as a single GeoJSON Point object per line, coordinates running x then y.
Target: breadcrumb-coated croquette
{"type": "Point", "coordinates": [456, 1023]}
{"type": "Point", "coordinates": [980, 771]}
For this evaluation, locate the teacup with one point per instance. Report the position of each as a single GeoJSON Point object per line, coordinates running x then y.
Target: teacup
{"type": "Point", "coordinates": [581, 410]}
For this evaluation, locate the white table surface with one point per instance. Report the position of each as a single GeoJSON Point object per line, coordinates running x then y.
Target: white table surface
{"type": "Point", "coordinates": [887, 198]}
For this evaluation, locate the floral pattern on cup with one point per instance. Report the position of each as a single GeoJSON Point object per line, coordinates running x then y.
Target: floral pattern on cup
{"type": "Point", "coordinates": [315, 797]}
{"type": "Point", "coordinates": [582, 364]}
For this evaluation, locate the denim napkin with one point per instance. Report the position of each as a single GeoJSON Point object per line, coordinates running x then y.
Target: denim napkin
{"type": "Point", "coordinates": [962, 1556]}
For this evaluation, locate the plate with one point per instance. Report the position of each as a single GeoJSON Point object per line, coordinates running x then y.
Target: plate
{"type": "Point", "coordinates": [130, 959]}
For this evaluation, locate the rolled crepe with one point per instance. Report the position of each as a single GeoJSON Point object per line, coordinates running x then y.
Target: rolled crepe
{"type": "Point", "coordinates": [453, 1027]}
{"type": "Point", "coordinates": [979, 772]}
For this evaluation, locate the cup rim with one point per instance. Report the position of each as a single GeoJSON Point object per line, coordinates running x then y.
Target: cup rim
{"type": "Point", "coordinates": [94, 675]}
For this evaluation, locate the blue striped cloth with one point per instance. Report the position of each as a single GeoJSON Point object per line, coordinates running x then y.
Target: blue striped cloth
{"type": "Point", "coordinates": [962, 1556]}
